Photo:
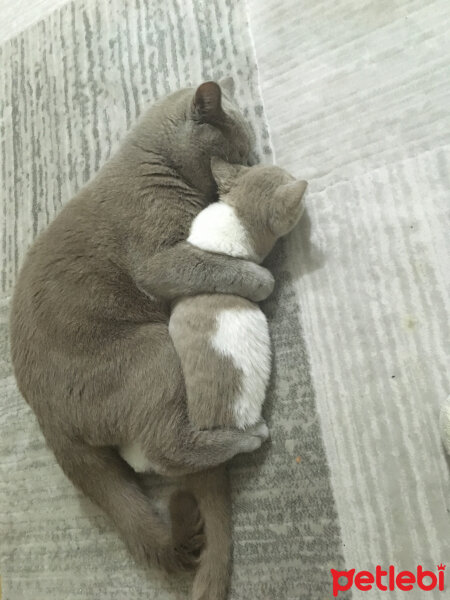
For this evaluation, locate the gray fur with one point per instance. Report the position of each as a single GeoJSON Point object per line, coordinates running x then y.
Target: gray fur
{"type": "Point", "coordinates": [89, 336]}
{"type": "Point", "coordinates": [268, 202]}
{"type": "Point", "coordinates": [212, 380]}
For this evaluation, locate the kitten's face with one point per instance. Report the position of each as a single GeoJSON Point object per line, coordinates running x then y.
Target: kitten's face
{"type": "Point", "coordinates": [267, 200]}
{"type": "Point", "coordinates": [190, 126]}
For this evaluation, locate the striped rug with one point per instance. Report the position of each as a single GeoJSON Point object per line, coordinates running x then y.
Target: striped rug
{"type": "Point", "coordinates": [70, 87]}
{"type": "Point", "coordinates": [357, 94]}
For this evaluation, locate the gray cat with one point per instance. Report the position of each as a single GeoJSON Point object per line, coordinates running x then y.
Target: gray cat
{"type": "Point", "coordinates": [89, 323]}
{"type": "Point", "coordinates": [223, 340]}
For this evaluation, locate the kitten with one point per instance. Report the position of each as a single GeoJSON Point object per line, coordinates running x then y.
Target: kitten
{"type": "Point", "coordinates": [89, 321]}
{"type": "Point", "coordinates": [223, 340]}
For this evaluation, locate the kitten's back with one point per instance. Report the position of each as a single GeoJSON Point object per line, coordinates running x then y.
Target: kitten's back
{"type": "Point", "coordinates": [224, 347]}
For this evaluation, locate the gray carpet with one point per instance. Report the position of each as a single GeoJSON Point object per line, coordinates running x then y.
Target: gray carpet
{"type": "Point", "coordinates": [70, 87]}
{"type": "Point", "coordinates": [357, 95]}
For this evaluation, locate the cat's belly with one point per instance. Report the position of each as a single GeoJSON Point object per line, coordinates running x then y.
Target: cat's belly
{"type": "Point", "coordinates": [242, 334]}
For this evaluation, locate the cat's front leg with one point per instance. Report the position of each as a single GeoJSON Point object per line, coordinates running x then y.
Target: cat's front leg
{"type": "Point", "coordinates": [184, 270]}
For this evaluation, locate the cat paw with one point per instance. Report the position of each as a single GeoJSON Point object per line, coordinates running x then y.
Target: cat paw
{"type": "Point", "coordinates": [261, 283]}
{"type": "Point", "coordinates": [260, 430]}
{"type": "Point", "coordinates": [251, 443]}
{"type": "Point", "coordinates": [252, 438]}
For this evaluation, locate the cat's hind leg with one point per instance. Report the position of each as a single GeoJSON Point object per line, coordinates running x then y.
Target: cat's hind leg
{"type": "Point", "coordinates": [159, 435]}
{"type": "Point", "coordinates": [107, 480]}
{"type": "Point", "coordinates": [194, 450]}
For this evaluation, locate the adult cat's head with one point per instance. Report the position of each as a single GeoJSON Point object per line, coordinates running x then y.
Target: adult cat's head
{"type": "Point", "coordinates": [190, 126]}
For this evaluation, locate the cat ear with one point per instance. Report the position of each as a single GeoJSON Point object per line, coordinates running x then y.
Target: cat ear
{"type": "Point", "coordinates": [224, 173]}
{"type": "Point", "coordinates": [227, 85]}
{"type": "Point", "coordinates": [287, 207]}
{"type": "Point", "coordinates": [207, 103]}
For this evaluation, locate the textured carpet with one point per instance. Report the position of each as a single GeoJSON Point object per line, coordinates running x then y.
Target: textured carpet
{"type": "Point", "coordinates": [70, 87]}
{"type": "Point", "coordinates": [18, 15]}
{"type": "Point", "coordinates": [357, 96]}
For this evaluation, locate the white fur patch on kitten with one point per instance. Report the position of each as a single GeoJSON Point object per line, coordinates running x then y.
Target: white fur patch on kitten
{"type": "Point", "coordinates": [243, 335]}
{"type": "Point", "coordinates": [217, 229]}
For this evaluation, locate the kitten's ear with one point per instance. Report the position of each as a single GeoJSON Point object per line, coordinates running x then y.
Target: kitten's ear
{"type": "Point", "coordinates": [227, 84]}
{"type": "Point", "coordinates": [207, 103]}
{"type": "Point", "coordinates": [287, 207]}
{"type": "Point", "coordinates": [224, 173]}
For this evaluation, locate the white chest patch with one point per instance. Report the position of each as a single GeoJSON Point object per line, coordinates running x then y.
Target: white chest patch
{"type": "Point", "coordinates": [243, 335]}
{"type": "Point", "coordinates": [218, 229]}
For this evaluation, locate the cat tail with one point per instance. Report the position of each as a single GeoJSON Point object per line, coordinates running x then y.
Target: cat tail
{"type": "Point", "coordinates": [113, 485]}
{"type": "Point", "coordinates": [212, 492]}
